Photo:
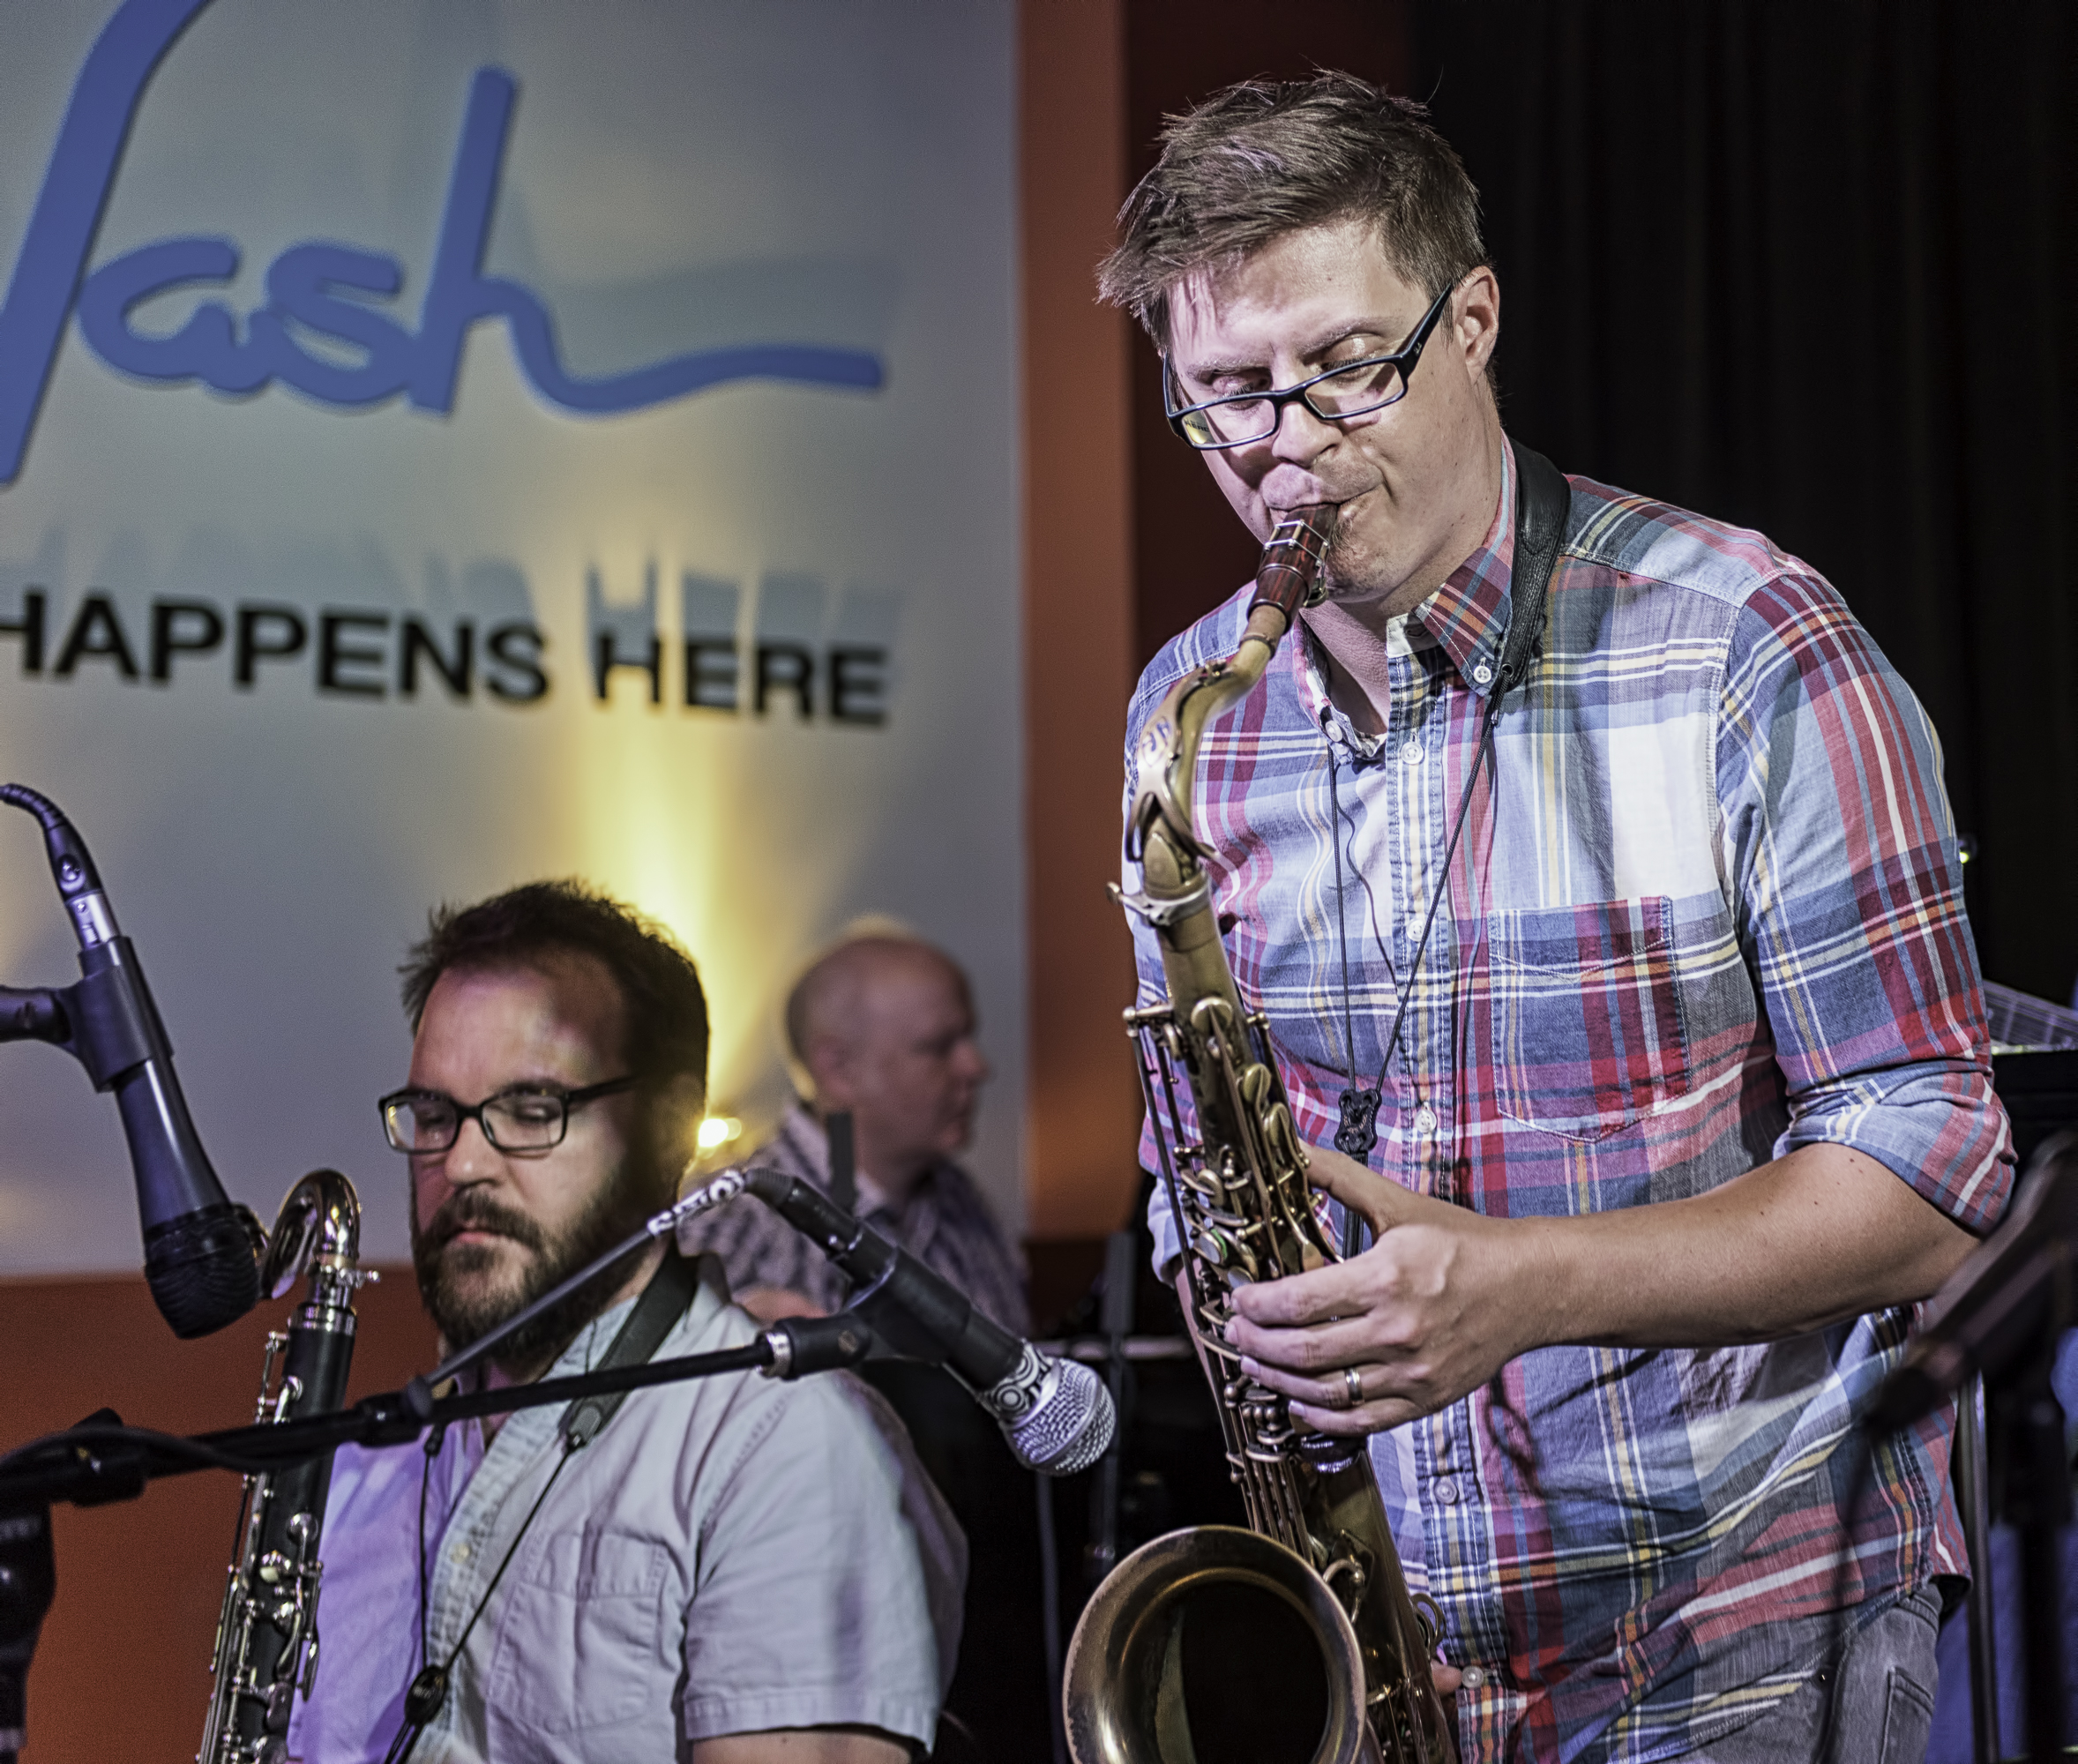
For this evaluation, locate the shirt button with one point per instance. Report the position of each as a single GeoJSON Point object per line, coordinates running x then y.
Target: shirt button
{"type": "Point", "coordinates": [459, 1553]}
{"type": "Point", "coordinates": [1446, 1489]}
{"type": "Point", "coordinates": [1474, 1678]}
{"type": "Point", "coordinates": [1482, 673]}
{"type": "Point", "coordinates": [1411, 754]}
{"type": "Point", "coordinates": [1424, 1120]}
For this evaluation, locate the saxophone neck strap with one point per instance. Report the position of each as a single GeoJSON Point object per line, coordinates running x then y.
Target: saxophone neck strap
{"type": "Point", "coordinates": [1542, 502]}
{"type": "Point", "coordinates": [666, 1298]}
{"type": "Point", "coordinates": [663, 1302]}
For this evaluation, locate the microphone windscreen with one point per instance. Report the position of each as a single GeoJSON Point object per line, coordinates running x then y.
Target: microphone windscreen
{"type": "Point", "coordinates": [201, 1269]}
{"type": "Point", "coordinates": [1069, 1428]}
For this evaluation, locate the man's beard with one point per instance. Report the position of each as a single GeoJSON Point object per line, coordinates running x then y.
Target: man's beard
{"type": "Point", "coordinates": [464, 1316]}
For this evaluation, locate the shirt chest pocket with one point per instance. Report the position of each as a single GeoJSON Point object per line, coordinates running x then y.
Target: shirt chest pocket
{"type": "Point", "coordinates": [1589, 1033]}
{"type": "Point", "coordinates": [586, 1640]}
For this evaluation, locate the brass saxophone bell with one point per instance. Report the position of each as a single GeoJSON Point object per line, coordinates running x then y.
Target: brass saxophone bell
{"type": "Point", "coordinates": [1275, 1649]}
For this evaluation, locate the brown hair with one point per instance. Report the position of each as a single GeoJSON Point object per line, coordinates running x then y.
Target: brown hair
{"type": "Point", "coordinates": [667, 1011]}
{"type": "Point", "coordinates": [1266, 158]}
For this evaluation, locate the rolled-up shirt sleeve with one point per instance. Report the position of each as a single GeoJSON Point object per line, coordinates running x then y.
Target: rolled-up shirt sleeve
{"type": "Point", "coordinates": [1842, 859]}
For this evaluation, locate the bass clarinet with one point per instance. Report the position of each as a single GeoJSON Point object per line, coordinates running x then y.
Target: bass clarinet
{"type": "Point", "coordinates": [266, 1635]}
{"type": "Point", "coordinates": [1317, 1542]}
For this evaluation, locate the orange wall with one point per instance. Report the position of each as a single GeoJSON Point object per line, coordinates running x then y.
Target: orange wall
{"type": "Point", "coordinates": [122, 1670]}
{"type": "Point", "coordinates": [1083, 1102]}
{"type": "Point", "coordinates": [1126, 540]}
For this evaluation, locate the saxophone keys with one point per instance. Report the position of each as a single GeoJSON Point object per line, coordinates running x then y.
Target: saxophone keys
{"type": "Point", "coordinates": [279, 1696]}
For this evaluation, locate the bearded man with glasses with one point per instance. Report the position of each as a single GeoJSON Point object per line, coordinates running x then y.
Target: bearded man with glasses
{"type": "Point", "coordinates": [733, 1571]}
{"type": "Point", "coordinates": [1661, 1090]}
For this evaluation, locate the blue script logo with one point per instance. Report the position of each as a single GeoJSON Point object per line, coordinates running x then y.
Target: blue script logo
{"type": "Point", "coordinates": [328, 288]}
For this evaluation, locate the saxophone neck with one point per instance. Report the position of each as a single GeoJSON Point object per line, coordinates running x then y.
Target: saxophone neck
{"type": "Point", "coordinates": [1160, 836]}
{"type": "Point", "coordinates": [316, 1232]}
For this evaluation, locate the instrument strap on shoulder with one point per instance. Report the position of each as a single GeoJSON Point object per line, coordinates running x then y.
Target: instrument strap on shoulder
{"type": "Point", "coordinates": [657, 1314]}
{"type": "Point", "coordinates": [671, 1290]}
{"type": "Point", "coordinates": [1543, 501]}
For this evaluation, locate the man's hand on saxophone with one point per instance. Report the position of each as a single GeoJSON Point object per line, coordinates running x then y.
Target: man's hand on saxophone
{"type": "Point", "coordinates": [1433, 1309]}
{"type": "Point", "coordinates": [1446, 1297]}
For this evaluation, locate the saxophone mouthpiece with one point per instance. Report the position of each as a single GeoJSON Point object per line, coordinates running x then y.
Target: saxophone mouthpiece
{"type": "Point", "coordinates": [1289, 576]}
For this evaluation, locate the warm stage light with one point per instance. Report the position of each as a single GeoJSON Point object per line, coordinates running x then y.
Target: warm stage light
{"type": "Point", "coordinates": [719, 1129]}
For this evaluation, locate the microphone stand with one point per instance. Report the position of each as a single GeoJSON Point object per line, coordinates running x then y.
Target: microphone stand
{"type": "Point", "coordinates": [2002, 1315]}
{"type": "Point", "coordinates": [2031, 1491]}
{"type": "Point", "coordinates": [102, 1461]}
{"type": "Point", "coordinates": [890, 1331]}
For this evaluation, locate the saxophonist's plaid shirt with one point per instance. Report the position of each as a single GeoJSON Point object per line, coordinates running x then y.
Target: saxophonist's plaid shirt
{"type": "Point", "coordinates": [1705, 909]}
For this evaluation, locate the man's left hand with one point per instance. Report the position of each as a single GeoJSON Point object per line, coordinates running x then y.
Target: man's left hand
{"type": "Point", "coordinates": [1432, 1310]}
{"type": "Point", "coordinates": [1446, 1297]}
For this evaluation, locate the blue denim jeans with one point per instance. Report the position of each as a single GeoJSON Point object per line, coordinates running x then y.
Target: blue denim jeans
{"type": "Point", "coordinates": [1876, 1706]}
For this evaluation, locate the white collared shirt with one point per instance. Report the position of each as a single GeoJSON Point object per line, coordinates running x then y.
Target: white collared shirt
{"type": "Point", "coordinates": [729, 1555]}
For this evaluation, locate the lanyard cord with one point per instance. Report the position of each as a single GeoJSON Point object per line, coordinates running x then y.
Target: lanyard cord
{"type": "Point", "coordinates": [1359, 1104]}
{"type": "Point", "coordinates": [1542, 505]}
{"type": "Point", "coordinates": [662, 1301]}
{"type": "Point", "coordinates": [1464, 804]}
{"type": "Point", "coordinates": [427, 1695]}
{"type": "Point", "coordinates": [1341, 918]}
{"type": "Point", "coordinates": [425, 1477]}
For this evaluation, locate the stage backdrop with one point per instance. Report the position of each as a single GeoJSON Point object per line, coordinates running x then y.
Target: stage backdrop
{"type": "Point", "coordinates": [447, 442]}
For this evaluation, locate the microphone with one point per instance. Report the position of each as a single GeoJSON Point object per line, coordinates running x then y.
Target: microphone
{"type": "Point", "coordinates": [200, 1252]}
{"type": "Point", "coordinates": [1055, 1415]}
{"type": "Point", "coordinates": [1994, 1307]}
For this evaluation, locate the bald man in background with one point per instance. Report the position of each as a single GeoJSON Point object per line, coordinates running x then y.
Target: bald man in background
{"type": "Point", "coordinates": [882, 1026]}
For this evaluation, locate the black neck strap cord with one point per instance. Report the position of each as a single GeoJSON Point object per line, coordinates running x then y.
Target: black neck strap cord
{"type": "Point", "coordinates": [663, 1302]}
{"type": "Point", "coordinates": [1359, 1104]}
{"type": "Point", "coordinates": [1542, 500]}
{"type": "Point", "coordinates": [428, 1693]}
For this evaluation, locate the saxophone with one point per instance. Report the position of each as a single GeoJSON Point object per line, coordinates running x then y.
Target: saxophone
{"type": "Point", "coordinates": [266, 1633]}
{"type": "Point", "coordinates": [1317, 1542]}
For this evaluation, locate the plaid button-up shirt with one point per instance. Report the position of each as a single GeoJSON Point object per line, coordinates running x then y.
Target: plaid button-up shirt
{"type": "Point", "coordinates": [1705, 909]}
{"type": "Point", "coordinates": [945, 1223]}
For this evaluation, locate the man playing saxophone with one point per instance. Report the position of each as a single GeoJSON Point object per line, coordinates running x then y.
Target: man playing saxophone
{"type": "Point", "coordinates": [732, 1571]}
{"type": "Point", "coordinates": [1635, 988]}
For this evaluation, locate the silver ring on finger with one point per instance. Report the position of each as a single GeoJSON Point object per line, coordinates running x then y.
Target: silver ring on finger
{"type": "Point", "coordinates": [1352, 1386]}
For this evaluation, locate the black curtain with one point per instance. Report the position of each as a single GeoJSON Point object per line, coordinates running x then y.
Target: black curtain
{"type": "Point", "coordinates": [1808, 265]}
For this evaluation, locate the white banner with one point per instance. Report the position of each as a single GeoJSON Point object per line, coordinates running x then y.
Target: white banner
{"type": "Point", "coordinates": [448, 443]}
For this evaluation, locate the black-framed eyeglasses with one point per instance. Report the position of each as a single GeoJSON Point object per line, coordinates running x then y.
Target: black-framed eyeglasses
{"type": "Point", "coordinates": [1355, 389]}
{"type": "Point", "coordinates": [523, 1118]}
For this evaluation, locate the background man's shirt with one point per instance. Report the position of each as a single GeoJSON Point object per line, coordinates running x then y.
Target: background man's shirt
{"type": "Point", "coordinates": [1705, 909]}
{"type": "Point", "coordinates": [727, 1555]}
{"type": "Point", "coordinates": [945, 1223]}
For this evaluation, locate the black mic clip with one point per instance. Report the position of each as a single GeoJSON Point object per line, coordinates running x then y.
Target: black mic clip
{"type": "Point", "coordinates": [802, 1345]}
{"type": "Point", "coordinates": [108, 1026]}
{"type": "Point", "coordinates": [105, 1019]}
